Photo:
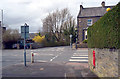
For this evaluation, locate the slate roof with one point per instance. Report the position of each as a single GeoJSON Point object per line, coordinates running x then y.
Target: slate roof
{"type": "Point", "coordinates": [93, 11]}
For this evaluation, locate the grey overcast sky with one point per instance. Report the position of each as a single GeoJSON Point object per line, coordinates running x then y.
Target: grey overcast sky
{"type": "Point", "coordinates": [18, 12]}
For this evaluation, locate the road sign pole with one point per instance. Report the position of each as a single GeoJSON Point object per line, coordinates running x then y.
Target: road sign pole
{"type": "Point", "coordinates": [24, 46]}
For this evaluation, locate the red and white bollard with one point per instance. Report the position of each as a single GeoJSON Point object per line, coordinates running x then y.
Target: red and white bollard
{"type": "Point", "coordinates": [32, 57]}
{"type": "Point", "coordinates": [93, 59]}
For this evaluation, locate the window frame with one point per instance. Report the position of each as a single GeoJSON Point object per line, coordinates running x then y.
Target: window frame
{"type": "Point", "coordinates": [89, 23]}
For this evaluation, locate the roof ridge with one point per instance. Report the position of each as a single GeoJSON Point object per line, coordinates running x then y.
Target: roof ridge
{"type": "Point", "coordinates": [97, 7]}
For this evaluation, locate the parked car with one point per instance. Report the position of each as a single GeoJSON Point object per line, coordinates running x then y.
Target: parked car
{"type": "Point", "coordinates": [28, 44]}
{"type": "Point", "coordinates": [14, 46]}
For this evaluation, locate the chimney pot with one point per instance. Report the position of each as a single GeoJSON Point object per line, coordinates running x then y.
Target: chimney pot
{"type": "Point", "coordinates": [81, 7]}
{"type": "Point", "coordinates": [103, 4]}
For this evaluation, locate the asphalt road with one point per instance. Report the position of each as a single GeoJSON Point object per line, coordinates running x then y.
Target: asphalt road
{"type": "Point", "coordinates": [63, 54]}
{"type": "Point", "coordinates": [49, 62]}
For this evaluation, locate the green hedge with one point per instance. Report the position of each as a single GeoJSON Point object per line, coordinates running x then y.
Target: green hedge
{"type": "Point", "coordinates": [105, 33]}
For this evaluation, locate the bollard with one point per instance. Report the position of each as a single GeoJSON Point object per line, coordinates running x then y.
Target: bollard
{"type": "Point", "coordinates": [32, 57]}
{"type": "Point", "coordinates": [93, 59]}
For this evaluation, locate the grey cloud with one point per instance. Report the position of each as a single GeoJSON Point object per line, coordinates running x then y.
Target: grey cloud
{"type": "Point", "coordinates": [17, 12]}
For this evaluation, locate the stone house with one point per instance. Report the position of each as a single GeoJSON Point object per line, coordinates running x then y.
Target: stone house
{"type": "Point", "coordinates": [87, 17]}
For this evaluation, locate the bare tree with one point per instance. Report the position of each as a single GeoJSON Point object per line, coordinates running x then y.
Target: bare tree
{"type": "Point", "coordinates": [56, 22]}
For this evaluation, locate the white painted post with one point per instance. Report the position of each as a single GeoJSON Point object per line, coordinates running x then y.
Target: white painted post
{"type": "Point", "coordinates": [71, 41]}
{"type": "Point", "coordinates": [32, 57]}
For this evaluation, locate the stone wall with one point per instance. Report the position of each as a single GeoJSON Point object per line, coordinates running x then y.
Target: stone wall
{"type": "Point", "coordinates": [106, 62]}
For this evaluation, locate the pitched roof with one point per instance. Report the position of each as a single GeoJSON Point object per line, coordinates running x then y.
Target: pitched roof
{"type": "Point", "coordinates": [93, 11]}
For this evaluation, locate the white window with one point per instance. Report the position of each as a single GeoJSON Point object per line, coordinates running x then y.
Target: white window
{"type": "Point", "coordinates": [89, 22]}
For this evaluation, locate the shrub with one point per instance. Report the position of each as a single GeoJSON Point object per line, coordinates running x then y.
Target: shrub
{"type": "Point", "coordinates": [38, 39]}
{"type": "Point", "coordinates": [10, 37]}
{"type": "Point", "coordinates": [85, 41]}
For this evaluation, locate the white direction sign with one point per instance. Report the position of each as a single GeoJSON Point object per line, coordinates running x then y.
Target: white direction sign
{"type": "Point", "coordinates": [26, 29]}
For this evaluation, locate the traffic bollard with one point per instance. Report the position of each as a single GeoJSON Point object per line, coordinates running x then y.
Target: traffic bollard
{"type": "Point", "coordinates": [93, 59]}
{"type": "Point", "coordinates": [32, 57]}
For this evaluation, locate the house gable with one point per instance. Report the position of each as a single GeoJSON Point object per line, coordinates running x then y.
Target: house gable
{"type": "Point", "coordinates": [93, 13]}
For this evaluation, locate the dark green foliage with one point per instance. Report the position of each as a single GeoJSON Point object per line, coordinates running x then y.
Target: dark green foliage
{"type": "Point", "coordinates": [105, 33]}
{"type": "Point", "coordinates": [85, 41]}
{"type": "Point", "coordinates": [67, 32]}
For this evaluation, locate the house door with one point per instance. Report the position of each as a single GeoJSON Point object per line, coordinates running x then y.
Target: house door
{"type": "Point", "coordinates": [85, 34]}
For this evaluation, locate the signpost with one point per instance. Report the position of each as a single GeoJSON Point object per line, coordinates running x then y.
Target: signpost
{"type": "Point", "coordinates": [25, 35]}
{"type": "Point", "coordinates": [71, 41]}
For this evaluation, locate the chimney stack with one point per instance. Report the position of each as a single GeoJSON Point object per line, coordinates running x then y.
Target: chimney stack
{"type": "Point", "coordinates": [103, 4]}
{"type": "Point", "coordinates": [81, 7]}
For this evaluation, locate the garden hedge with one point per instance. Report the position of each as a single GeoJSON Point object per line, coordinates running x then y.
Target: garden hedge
{"type": "Point", "coordinates": [105, 33]}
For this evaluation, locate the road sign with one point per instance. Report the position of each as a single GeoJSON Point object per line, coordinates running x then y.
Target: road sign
{"type": "Point", "coordinates": [26, 29]}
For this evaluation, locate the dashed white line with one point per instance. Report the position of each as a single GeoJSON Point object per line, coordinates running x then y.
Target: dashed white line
{"type": "Point", "coordinates": [53, 58]}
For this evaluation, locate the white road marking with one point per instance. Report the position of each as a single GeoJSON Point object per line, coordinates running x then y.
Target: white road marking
{"type": "Point", "coordinates": [35, 53]}
{"type": "Point", "coordinates": [78, 60]}
{"type": "Point", "coordinates": [80, 53]}
{"type": "Point", "coordinates": [40, 61]}
{"type": "Point", "coordinates": [53, 58]}
{"type": "Point", "coordinates": [42, 54]}
{"type": "Point", "coordinates": [79, 57]}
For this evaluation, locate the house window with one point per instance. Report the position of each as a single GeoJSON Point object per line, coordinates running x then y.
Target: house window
{"type": "Point", "coordinates": [89, 22]}
{"type": "Point", "coordinates": [79, 20]}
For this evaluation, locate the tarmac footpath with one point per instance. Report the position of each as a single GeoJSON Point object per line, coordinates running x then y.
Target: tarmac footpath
{"type": "Point", "coordinates": [48, 70]}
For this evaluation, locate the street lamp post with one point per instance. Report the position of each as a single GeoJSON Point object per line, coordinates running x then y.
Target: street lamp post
{"type": "Point", "coordinates": [71, 40]}
{"type": "Point", "coordinates": [76, 36]}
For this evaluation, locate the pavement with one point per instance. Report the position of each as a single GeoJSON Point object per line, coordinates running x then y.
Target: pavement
{"type": "Point", "coordinates": [48, 70]}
